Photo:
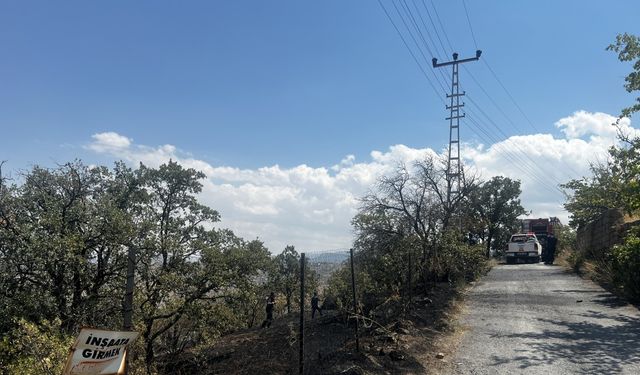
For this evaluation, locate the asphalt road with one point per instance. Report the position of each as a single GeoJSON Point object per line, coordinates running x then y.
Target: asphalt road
{"type": "Point", "coordinates": [528, 319]}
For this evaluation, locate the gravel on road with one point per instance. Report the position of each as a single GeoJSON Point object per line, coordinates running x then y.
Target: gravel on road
{"type": "Point", "coordinates": [538, 319]}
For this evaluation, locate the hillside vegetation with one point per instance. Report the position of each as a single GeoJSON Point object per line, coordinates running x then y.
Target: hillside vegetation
{"type": "Point", "coordinates": [67, 233]}
{"type": "Point", "coordinates": [614, 184]}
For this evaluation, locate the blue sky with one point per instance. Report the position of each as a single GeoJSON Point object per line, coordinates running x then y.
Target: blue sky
{"type": "Point", "coordinates": [253, 84]}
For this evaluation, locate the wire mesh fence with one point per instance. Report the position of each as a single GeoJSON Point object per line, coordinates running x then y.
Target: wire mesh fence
{"type": "Point", "coordinates": [323, 326]}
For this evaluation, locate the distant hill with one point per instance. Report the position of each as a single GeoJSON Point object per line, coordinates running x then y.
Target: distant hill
{"type": "Point", "coordinates": [330, 256]}
{"type": "Point", "coordinates": [325, 263]}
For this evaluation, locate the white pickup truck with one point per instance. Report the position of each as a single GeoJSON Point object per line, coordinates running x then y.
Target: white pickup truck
{"type": "Point", "coordinates": [524, 246]}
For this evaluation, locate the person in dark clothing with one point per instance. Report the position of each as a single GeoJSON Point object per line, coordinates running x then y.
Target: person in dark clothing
{"type": "Point", "coordinates": [543, 242]}
{"type": "Point", "coordinates": [314, 305]}
{"type": "Point", "coordinates": [271, 302]}
{"type": "Point", "coordinates": [552, 241]}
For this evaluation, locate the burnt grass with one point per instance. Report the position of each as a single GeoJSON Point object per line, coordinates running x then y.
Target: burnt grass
{"type": "Point", "coordinates": [403, 338]}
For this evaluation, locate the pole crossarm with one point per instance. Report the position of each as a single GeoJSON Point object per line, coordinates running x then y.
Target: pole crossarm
{"type": "Point", "coordinates": [455, 60]}
{"type": "Point", "coordinates": [454, 95]}
{"type": "Point", "coordinates": [455, 117]}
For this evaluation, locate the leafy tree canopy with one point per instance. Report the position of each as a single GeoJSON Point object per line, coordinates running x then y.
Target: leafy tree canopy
{"type": "Point", "coordinates": [497, 204]}
{"type": "Point", "coordinates": [614, 183]}
{"type": "Point", "coordinates": [627, 46]}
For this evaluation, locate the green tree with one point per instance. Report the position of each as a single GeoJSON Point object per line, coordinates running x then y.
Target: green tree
{"type": "Point", "coordinates": [627, 46]}
{"type": "Point", "coordinates": [383, 247]}
{"type": "Point", "coordinates": [251, 266]}
{"type": "Point", "coordinates": [64, 237]}
{"type": "Point", "coordinates": [625, 167]}
{"type": "Point", "coordinates": [62, 244]}
{"type": "Point", "coordinates": [590, 197]}
{"type": "Point", "coordinates": [411, 207]}
{"type": "Point", "coordinates": [626, 265]}
{"type": "Point", "coordinates": [179, 261]}
{"type": "Point", "coordinates": [407, 233]}
{"type": "Point", "coordinates": [567, 238]}
{"type": "Point", "coordinates": [613, 184]}
{"type": "Point", "coordinates": [34, 349]}
{"type": "Point", "coordinates": [497, 205]}
{"type": "Point", "coordinates": [287, 276]}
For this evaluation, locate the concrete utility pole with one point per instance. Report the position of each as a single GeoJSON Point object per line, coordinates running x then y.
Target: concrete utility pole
{"type": "Point", "coordinates": [454, 166]}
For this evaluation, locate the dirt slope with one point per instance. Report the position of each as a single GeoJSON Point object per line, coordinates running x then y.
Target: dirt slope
{"type": "Point", "coordinates": [405, 341]}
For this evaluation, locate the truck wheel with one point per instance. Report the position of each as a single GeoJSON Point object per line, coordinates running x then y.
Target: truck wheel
{"type": "Point", "coordinates": [510, 260]}
{"type": "Point", "coordinates": [537, 259]}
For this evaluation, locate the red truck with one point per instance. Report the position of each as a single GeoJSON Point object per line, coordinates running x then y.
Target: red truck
{"type": "Point", "coordinates": [541, 227]}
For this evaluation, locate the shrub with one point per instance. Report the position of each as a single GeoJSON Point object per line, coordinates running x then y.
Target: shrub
{"type": "Point", "coordinates": [457, 261]}
{"type": "Point", "coordinates": [34, 349]}
{"type": "Point", "coordinates": [626, 265]}
{"type": "Point", "coordinates": [369, 291]}
{"type": "Point", "coordinates": [576, 260]}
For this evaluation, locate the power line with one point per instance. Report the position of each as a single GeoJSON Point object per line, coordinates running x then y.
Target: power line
{"type": "Point", "coordinates": [424, 24]}
{"type": "Point", "coordinates": [509, 156]}
{"type": "Point", "coordinates": [512, 99]}
{"type": "Point", "coordinates": [415, 42]}
{"type": "Point", "coordinates": [490, 97]}
{"type": "Point", "coordinates": [533, 164]}
{"type": "Point", "coordinates": [496, 76]}
{"type": "Point", "coordinates": [499, 108]}
{"type": "Point", "coordinates": [407, 11]}
{"type": "Point", "coordinates": [439, 22]}
{"type": "Point", "coordinates": [415, 24]}
{"type": "Point", "coordinates": [469, 21]}
{"type": "Point", "coordinates": [426, 28]}
{"type": "Point", "coordinates": [512, 156]}
{"type": "Point", "coordinates": [417, 28]}
{"type": "Point", "coordinates": [510, 96]}
{"type": "Point", "coordinates": [435, 29]}
{"type": "Point", "coordinates": [411, 52]}
{"type": "Point", "coordinates": [409, 30]}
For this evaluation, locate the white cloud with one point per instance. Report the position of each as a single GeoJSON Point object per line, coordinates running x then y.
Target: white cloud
{"type": "Point", "coordinates": [542, 162]}
{"type": "Point", "coordinates": [312, 207]}
{"type": "Point", "coordinates": [597, 124]}
{"type": "Point", "coordinates": [344, 163]}
{"type": "Point", "coordinates": [109, 142]}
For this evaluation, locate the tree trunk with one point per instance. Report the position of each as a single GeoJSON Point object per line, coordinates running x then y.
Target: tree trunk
{"type": "Point", "coordinates": [289, 301]}
{"type": "Point", "coordinates": [77, 288]}
{"type": "Point", "coordinates": [489, 238]}
{"type": "Point", "coordinates": [148, 339]}
{"type": "Point", "coordinates": [148, 359]}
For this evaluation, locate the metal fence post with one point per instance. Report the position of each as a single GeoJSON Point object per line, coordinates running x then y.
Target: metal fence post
{"type": "Point", "coordinates": [301, 334]}
{"type": "Point", "coordinates": [128, 298]}
{"type": "Point", "coordinates": [355, 304]}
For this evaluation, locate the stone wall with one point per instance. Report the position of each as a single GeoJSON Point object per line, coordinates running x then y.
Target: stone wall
{"type": "Point", "coordinates": [598, 236]}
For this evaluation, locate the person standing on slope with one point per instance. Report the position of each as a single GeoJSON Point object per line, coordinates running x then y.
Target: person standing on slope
{"type": "Point", "coordinates": [315, 300]}
{"type": "Point", "coordinates": [271, 303]}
